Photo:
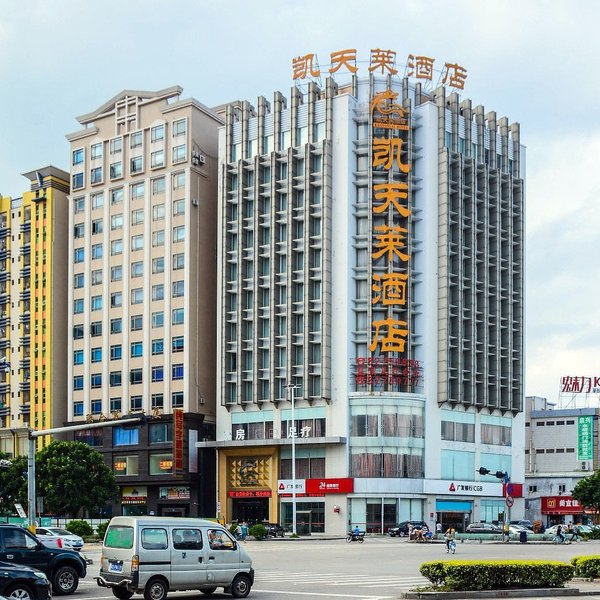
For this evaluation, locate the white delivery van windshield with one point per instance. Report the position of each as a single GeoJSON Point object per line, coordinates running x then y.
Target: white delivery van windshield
{"type": "Point", "coordinates": [118, 536]}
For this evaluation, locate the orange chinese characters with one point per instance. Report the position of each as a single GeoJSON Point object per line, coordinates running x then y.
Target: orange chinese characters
{"type": "Point", "coordinates": [384, 60]}
{"type": "Point", "coordinates": [343, 58]}
{"type": "Point", "coordinates": [385, 151]}
{"type": "Point", "coordinates": [390, 289]}
{"type": "Point", "coordinates": [395, 340]}
{"type": "Point", "coordinates": [454, 76]}
{"type": "Point", "coordinates": [420, 67]}
{"type": "Point", "coordinates": [304, 66]}
{"type": "Point", "coordinates": [390, 241]}
{"type": "Point", "coordinates": [390, 193]}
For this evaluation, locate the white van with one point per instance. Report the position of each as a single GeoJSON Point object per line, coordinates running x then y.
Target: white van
{"type": "Point", "coordinates": [153, 555]}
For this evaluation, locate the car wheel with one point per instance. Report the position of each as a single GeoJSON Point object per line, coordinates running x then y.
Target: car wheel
{"type": "Point", "coordinates": [240, 587]}
{"type": "Point", "coordinates": [19, 592]}
{"type": "Point", "coordinates": [156, 589]}
{"type": "Point", "coordinates": [209, 591]}
{"type": "Point", "coordinates": [121, 593]}
{"type": "Point", "coordinates": [65, 581]}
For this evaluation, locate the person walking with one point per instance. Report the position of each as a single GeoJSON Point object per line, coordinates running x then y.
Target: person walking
{"type": "Point", "coordinates": [438, 527]}
{"type": "Point", "coordinates": [506, 532]}
{"type": "Point", "coordinates": [449, 537]}
{"type": "Point", "coordinates": [244, 527]}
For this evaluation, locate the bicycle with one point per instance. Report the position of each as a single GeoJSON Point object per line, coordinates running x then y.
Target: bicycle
{"type": "Point", "coordinates": [451, 547]}
{"type": "Point", "coordinates": [559, 539]}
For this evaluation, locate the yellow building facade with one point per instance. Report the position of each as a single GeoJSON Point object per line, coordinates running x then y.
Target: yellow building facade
{"type": "Point", "coordinates": [33, 315]}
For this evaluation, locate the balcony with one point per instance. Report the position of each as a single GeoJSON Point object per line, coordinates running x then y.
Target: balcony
{"type": "Point", "coordinates": [24, 386]}
{"type": "Point", "coordinates": [26, 226]}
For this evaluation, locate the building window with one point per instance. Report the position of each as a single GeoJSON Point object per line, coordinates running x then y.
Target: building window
{"type": "Point", "coordinates": [97, 277]}
{"type": "Point", "coordinates": [179, 153]}
{"type": "Point", "coordinates": [78, 382]}
{"type": "Point", "coordinates": [96, 381]}
{"type": "Point", "coordinates": [158, 212]}
{"type": "Point", "coordinates": [157, 374]}
{"type": "Point", "coordinates": [160, 433]}
{"type": "Point", "coordinates": [116, 221]}
{"type": "Point", "coordinates": [158, 265]}
{"type": "Point", "coordinates": [116, 273]}
{"type": "Point", "coordinates": [116, 170]}
{"type": "Point", "coordinates": [177, 399]}
{"type": "Point", "coordinates": [157, 346]}
{"type": "Point", "coordinates": [126, 465]}
{"type": "Point", "coordinates": [137, 269]}
{"type": "Point", "coordinates": [135, 403]}
{"type": "Point", "coordinates": [78, 306]}
{"type": "Point", "coordinates": [532, 489]}
{"type": "Point", "coordinates": [178, 233]}
{"type": "Point", "coordinates": [178, 262]}
{"type": "Point", "coordinates": [115, 404]}
{"type": "Point", "coordinates": [178, 181]}
{"type": "Point", "coordinates": [96, 329]}
{"type": "Point", "coordinates": [116, 145]}
{"type": "Point", "coordinates": [137, 295]}
{"type": "Point", "coordinates": [96, 150]}
{"type": "Point", "coordinates": [97, 201]}
{"type": "Point", "coordinates": [79, 205]}
{"type": "Point", "coordinates": [116, 196]}
{"type": "Point", "coordinates": [158, 319]}
{"type": "Point", "coordinates": [78, 255]}
{"type": "Point", "coordinates": [177, 344]}
{"type": "Point", "coordinates": [78, 156]}
{"type": "Point", "coordinates": [77, 181]}
{"type": "Point", "coordinates": [158, 292]}
{"type": "Point", "coordinates": [135, 165]}
{"type": "Point", "coordinates": [116, 299]}
{"type": "Point", "coordinates": [116, 247]}
{"type": "Point", "coordinates": [157, 133]}
{"type": "Point", "coordinates": [78, 280]}
{"type": "Point", "coordinates": [136, 350]}
{"type": "Point", "coordinates": [126, 436]}
{"type": "Point", "coordinates": [157, 159]}
{"type": "Point", "coordinates": [77, 357]}
{"type": "Point", "coordinates": [96, 175]}
{"type": "Point", "coordinates": [116, 352]}
{"type": "Point", "coordinates": [135, 139]}
{"type": "Point", "coordinates": [78, 409]}
{"type": "Point", "coordinates": [116, 325]}
{"type": "Point", "coordinates": [160, 464]}
{"type": "Point", "coordinates": [115, 378]}
{"type": "Point", "coordinates": [96, 355]}
{"type": "Point", "coordinates": [77, 332]}
{"type": "Point", "coordinates": [177, 316]}
{"type": "Point", "coordinates": [179, 127]}
{"type": "Point", "coordinates": [137, 191]}
{"type": "Point", "coordinates": [157, 402]}
{"type": "Point", "coordinates": [96, 303]}
{"type": "Point", "coordinates": [177, 371]}
{"type": "Point", "coordinates": [137, 216]}
{"type": "Point", "coordinates": [158, 186]}
{"type": "Point", "coordinates": [137, 242]}
{"type": "Point", "coordinates": [135, 376]}
{"type": "Point", "coordinates": [158, 238]}
{"type": "Point", "coordinates": [178, 207]}
{"type": "Point", "coordinates": [136, 323]}
{"type": "Point", "coordinates": [97, 251]}
{"type": "Point", "coordinates": [178, 289]}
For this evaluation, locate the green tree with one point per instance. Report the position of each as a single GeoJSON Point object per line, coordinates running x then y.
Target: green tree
{"type": "Point", "coordinates": [587, 491]}
{"type": "Point", "coordinates": [72, 476]}
{"type": "Point", "coordinates": [13, 484]}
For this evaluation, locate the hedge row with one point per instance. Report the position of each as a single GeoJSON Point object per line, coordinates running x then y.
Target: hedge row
{"type": "Point", "coordinates": [586, 566]}
{"type": "Point", "coordinates": [463, 575]}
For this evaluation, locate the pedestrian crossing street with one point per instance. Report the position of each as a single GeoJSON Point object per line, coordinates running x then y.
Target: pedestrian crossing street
{"type": "Point", "coordinates": [341, 579]}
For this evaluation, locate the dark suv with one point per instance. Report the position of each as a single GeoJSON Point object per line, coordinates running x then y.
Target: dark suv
{"type": "Point", "coordinates": [23, 583]}
{"type": "Point", "coordinates": [62, 567]}
{"type": "Point", "coordinates": [402, 528]}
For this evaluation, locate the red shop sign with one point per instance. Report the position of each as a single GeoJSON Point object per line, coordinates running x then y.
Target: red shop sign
{"type": "Point", "coordinates": [250, 494]}
{"type": "Point", "coordinates": [560, 505]}
{"type": "Point", "coordinates": [344, 485]}
{"type": "Point", "coordinates": [512, 489]}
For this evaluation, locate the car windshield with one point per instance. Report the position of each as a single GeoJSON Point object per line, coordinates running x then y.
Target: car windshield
{"type": "Point", "coordinates": [59, 531]}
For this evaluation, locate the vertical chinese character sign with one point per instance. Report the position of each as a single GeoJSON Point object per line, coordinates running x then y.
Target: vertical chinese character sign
{"type": "Point", "coordinates": [178, 439]}
{"type": "Point", "coordinates": [585, 436]}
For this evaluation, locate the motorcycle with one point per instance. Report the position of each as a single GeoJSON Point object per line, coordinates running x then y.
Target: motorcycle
{"type": "Point", "coordinates": [355, 537]}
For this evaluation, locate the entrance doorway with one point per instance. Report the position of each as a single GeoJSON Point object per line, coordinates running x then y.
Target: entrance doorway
{"type": "Point", "coordinates": [251, 510]}
{"type": "Point", "coordinates": [172, 511]}
{"type": "Point", "coordinates": [456, 520]}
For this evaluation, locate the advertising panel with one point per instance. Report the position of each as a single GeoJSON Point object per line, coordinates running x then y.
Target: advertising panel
{"type": "Point", "coordinates": [344, 485]}
{"type": "Point", "coordinates": [585, 437]}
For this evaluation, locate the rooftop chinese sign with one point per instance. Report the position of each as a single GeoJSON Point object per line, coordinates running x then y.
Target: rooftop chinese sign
{"type": "Point", "coordinates": [576, 384]}
{"type": "Point", "coordinates": [383, 62]}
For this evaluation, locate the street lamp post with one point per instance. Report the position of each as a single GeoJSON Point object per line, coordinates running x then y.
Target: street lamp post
{"type": "Point", "coordinates": [293, 434]}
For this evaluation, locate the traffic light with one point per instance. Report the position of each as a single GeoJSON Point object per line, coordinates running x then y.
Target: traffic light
{"type": "Point", "coordinates": [499, 474]}
{"type": "Point", "coordinates": [483, 471]}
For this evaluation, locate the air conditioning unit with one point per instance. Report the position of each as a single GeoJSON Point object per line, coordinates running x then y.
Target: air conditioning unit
{"type": "Point", "coordinates": [584, 466]}
{"type": "Point", "coordinates": [195, 201]}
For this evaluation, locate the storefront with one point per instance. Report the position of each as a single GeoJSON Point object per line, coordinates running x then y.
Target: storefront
{"type": "Point", "coordinates": [134, 500]}
{"type": "Point", "coordinates": [563, 510]}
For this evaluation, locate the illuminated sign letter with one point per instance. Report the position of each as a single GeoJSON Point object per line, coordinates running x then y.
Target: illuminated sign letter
{"type": "Point", "coordinates": [390, 193]}
{"type": "Point", "coordinates": [395, 339]}
{"type": "Point", "coordinates": [343, 58]}
{"type": "Point", "coordinates": [303, 66]}
{"type": "Point", "coordinates": [390, 289]}
{"type": "Point", "coordinates": [390, 241]}
{"type": "Point", "coordinates": [420, 67]}
{"type": "Point", "coordinates": [455, 76]}
{"type": "Point", "coordinates": [384, 60]}
{"type": "Point", "coordinates": [385, 151]}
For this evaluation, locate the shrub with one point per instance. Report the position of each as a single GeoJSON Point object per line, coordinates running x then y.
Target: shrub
{"type": "Point", "coordinates": [586, 566]}
{"type": "Point", "coordinates": [80, 528]}
{"type": "Point", "coordinates": [101, 529]}
{"type": "Point", "coordinates": [233, 527]}
{"type": "Point", "coordinates": [463, 575]}
{"type": "Point", "coordinates": [258, 531]}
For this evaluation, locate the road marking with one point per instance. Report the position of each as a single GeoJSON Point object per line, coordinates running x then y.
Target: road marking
{"type": "Point", "coordinates": [321, 594]}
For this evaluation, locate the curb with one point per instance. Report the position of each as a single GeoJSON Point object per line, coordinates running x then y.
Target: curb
{"type": "Point", "coordinates": [521, 593]}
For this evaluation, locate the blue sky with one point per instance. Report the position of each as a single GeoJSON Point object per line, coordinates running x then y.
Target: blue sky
{"type": "Point", "coordinates": [536, 62]}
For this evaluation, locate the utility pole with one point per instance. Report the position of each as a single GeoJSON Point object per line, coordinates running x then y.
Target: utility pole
{"type": "Point", "coordinates": [31, 455]}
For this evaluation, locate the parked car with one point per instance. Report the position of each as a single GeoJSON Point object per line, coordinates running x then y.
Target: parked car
{"type": "Point", "coordinates": [523, 523]}
{"type": "Point", "coordinates": [57, 537]}
{"type": "Point", "coordinates": [403, 527]}
{"type": "Point", "coordinates": [63, 567]}
{"type": "Point", "coordinates": [483, 528]}
{"type": "Point", "coordinates": [274, 529]}
{"type": "Point", "coordinates": [23, 583]}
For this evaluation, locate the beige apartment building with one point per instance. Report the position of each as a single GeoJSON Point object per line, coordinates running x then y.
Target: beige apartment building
{"type": "Point", "coordinates": [33, 320]}
{"type": "Point", "coordinates": [142, 299]}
